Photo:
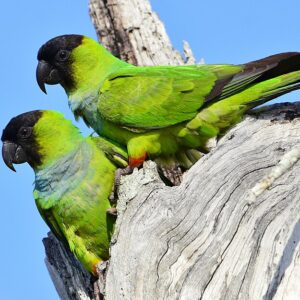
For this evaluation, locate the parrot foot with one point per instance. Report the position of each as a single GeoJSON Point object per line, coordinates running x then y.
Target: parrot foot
{"type": "Point", "coordinates": [112, 211]}
{"type": "Point", "coordinates": [119, 172]}
{"type": "Point", "coordinates": [171, 176]}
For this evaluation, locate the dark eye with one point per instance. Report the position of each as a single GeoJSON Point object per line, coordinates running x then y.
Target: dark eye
{"type": "Point", "coordinates": [25, 132]}
{"type": "Point", "coordinates": [62, 55]}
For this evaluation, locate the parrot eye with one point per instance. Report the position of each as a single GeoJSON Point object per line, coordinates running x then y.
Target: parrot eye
{"type": "Point", "coordinates": [62, 55]}
{"type": "Point", "coordinates": [25, 132]}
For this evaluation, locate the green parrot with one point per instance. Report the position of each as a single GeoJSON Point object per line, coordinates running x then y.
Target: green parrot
{"type": "Point", "coordinates": [73, 179]}
{"type": "Point", "coordinates": [160, 112]}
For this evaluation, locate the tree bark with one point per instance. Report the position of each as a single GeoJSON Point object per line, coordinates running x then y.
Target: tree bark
{"type": "Point", "coordinates": [231, 230]}
{"type": "Point", "coordinates": [134, 33]}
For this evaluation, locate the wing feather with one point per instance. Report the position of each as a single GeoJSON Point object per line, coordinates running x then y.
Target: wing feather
{"type": "Point", "coordinates": [156, 97]}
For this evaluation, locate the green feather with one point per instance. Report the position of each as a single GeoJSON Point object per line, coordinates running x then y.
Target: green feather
{"type": "Point", "coordinates": [163, 111]}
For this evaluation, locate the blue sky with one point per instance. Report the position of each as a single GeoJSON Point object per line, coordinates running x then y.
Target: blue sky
{"type": "Point", "coordinates": [220, 31]}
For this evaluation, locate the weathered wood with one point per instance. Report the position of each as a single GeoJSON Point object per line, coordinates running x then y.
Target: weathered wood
{"type": "Point", "coordinates": [229, 231]}
{"type": "Point", "coordinates": [70, 279]}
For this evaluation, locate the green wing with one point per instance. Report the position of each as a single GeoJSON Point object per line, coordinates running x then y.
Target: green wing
{"type": "Point", "coordinates": [113, 151]}
{"type": "Point", "coordinates": [156, 97]}
{"type": "Point", "coordinates": [50, 220]}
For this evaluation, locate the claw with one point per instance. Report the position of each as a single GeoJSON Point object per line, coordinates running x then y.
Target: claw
{"type": "Point", "coordinates": [119, 172]}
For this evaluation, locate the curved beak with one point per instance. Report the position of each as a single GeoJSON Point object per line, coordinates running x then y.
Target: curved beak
{"type": "Point", "coordinates": [13, 154]}
{"type": "Point", "coordinates": [45, 73]}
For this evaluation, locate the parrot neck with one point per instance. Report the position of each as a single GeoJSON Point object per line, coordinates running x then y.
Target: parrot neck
{"type": "Point", "coordinates": [65, 173]}
{"type": "Point", "coordinates": [53, 144]}
{"type": "Point", "coordinates": [92, 65]}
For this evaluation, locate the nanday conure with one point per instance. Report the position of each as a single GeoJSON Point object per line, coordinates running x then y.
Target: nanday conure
{"type": "Point", "coordinates": [74, 176]}
{"type": "Point", "coordinates": [163, 112]}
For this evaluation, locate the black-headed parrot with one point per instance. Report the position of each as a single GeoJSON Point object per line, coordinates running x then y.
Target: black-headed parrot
{"type": "Point", "coordinates": [160, 112]}
{"type": "Point", "coordinates": [74, 176]}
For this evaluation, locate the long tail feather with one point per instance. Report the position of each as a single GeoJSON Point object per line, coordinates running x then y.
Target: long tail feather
{"type": "Point", "coordinates": [255, 72]}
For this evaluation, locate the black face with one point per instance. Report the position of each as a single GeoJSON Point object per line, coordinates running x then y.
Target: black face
{"type": "Point", "coordinates": [18, 140]}
{"type": "Point", "coordinates": [54, 61]}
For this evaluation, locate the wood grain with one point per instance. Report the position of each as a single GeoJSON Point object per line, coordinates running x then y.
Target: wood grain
{"type": "Point", "coordinates": [227, 232]}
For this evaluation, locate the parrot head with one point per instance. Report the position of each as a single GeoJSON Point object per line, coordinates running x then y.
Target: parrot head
{"type": "Point", "coordinates": [55, 60]}
{"type": "Point", "coordinates": [37, 137]}
{"type": "Point", "coordinates": [74, 61]}
{"type": "Point", "coordinates": [19, 141]}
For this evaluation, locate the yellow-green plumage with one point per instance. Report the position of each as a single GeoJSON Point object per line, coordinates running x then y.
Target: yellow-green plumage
{"type": "Point", "coordinates": [73, 182]}
{"type": "Point", "coordinates": [164, 111]}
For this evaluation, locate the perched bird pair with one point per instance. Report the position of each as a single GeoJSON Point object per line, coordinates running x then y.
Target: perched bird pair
{"type": "Point", "coordinates": [165, 113]}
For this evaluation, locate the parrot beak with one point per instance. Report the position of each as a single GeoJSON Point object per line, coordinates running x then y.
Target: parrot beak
{"type": "Point", "coordinates": [45, 73]}
{"type": "Point", "coordinates": [13, 153]}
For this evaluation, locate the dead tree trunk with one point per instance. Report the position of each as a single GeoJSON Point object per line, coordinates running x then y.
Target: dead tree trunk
{"type": "Point", "coordinates": [231, 230]}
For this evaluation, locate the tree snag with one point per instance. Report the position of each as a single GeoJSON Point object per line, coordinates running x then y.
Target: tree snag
{"type": "Point", "coordinates": [231, 230]}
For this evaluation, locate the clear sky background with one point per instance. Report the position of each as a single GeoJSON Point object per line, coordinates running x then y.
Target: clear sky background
{"type": "Point", "coordinates": [220, 31]}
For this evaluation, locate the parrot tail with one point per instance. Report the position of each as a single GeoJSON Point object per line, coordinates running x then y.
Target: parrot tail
{"type": "Point", "coordinates": [263, 91]}
{"type": "Point", "coordinates": [280, 75]}
{"type": "Point", "coordinates": [253, 73]}
{"type": "Point", "coordinates": [258, 82]}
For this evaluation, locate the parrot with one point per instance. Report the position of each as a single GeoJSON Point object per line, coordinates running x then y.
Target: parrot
{"type": "Point", "coordinates": [73, 179]}
{"type": "Point", "coordinates": [164, 113]}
